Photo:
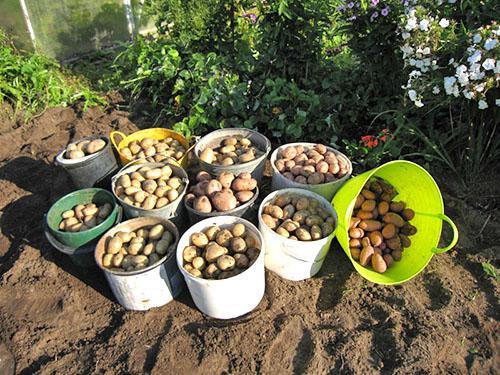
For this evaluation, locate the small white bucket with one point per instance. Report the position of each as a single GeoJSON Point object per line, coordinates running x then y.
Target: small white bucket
{"type": "Point", "coordinates": [327, 190]}
{"type": "Point", "coordinates": [150, 287]}
{"type": "Point", "coordinates": [227, 298]}
{"type": "Point", "coordinates": [291, 259]}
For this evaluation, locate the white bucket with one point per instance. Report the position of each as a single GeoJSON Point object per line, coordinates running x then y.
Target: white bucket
{"type": "Point", "coordinates": [291, 259]}
{"type": "Point", "coordinates": [150, 287]}
{"type": "Point", "coordinates": [326, 190]}
{"type": "Point", "coordinates": [227, 298]}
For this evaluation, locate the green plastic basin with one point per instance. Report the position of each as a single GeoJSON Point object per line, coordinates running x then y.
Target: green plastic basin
{"type": "Point", "coordinates": [84, 196]}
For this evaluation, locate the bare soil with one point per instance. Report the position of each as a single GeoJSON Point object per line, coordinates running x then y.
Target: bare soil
{"type": "Point", "coordinates": [58, 318]}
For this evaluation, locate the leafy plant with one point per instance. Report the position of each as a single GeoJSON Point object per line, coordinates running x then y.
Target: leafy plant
{"type": "Point", "coordinates": [491, 270]}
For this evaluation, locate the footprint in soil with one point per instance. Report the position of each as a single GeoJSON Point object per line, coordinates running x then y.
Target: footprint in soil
{"type": "Point", "coordinates": [440, 296]}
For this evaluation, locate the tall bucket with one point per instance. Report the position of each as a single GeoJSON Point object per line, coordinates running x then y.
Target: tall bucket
{"type": "Point", "coordinates": [213, 139]}
{"type": "Point", "coordinates": [173, 211]}
{"type": "Point", "coordinates": [290, 259]}
{"type": "Point", "coordinates": [231, 297]}
{"type": "Point", "coordinates": [91, 169]}
{"type": "Point", "coordinates": [121, 140]}
{"type": "Point", "coordinates": [150, 287]}
{"type": "Point", "coordinates": [327, 190]}
{"type": "Point", "coordinates": [417, 188]}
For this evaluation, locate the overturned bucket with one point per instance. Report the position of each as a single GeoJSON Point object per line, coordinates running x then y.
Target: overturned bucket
{"type": "Point", "coordinates": [291, 259]}
{"type": "Point", "coordinates": [92, 169]}
{"type": "Point", "coordinates": [153, 286]}
{"type": "Point", "coordinates": [417, 188]}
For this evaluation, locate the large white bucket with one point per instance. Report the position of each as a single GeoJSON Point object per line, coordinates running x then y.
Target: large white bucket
{"type": "Point", "coordinates": [291, 259]}
{"type": "Point", "coordinates": [150, 287]}
{"type": "Point", "coordinates": [227, 298]}
{"type": "Point", "coordinates": [327, 189]}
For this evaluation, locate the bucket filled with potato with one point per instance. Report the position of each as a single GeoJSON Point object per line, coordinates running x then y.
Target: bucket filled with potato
{"type": "Point", "coordinates": [310, 166]}
{"type": "Point", "coordinates": [138, 260]}
{"type": "Point", "coordinates": [222, 261]}
{"type": "Point", "coordinates": [390, 221]}
{"type": "Point", "coordinates": [298, 227]}
{"type": "Point", "coordinates": [88, 161]}
{"type": "Point", "coordinates": [234, 150]}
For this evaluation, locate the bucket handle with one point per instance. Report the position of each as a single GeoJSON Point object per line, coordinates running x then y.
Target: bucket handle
{"type": "Point", "coordinates": [440, 250]}
{"type": "Point", "coordinates": [112, 137]}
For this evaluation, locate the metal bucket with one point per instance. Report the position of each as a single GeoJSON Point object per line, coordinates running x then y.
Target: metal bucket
{"type": "Point", "coordinates": [231, 297]}
{"type": "Point", "coordinates": [291, 259]}
{"type": "Point", "coordinates": [174, 211]}
{"type": "Point", "coordinates": [246, 211]}
{"type": "Point", "coordinates": [327, 190]}
{"type": "Point", "coordinates": [91, 169]}
{"type": "Point", "coordinates": [213, 139]}
{"type": "Point", "coordinates": [150, 287]}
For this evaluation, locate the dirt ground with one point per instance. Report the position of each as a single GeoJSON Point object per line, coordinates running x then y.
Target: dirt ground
{"type": "Point", "coordinates": [58, 318]}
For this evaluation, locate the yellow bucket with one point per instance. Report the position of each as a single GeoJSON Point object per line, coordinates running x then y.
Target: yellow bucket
{"type": "Point", "coordinates": [417, 188]}
{"type": "Point", "coordinates": [153, 133]}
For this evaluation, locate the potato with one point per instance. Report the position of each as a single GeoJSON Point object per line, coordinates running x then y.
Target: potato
{"type": "Point", "coordinates": [408, 214]}
{"type": "Point", "coordinates": [213, 187]}
{"type": "Point", "coordinates": [313, 220]}
{"type": "Point", "coordinates": [226, 179]}
{"type": "Point", "coordinates": [252, 253]}
{"type": "Point", "coordinates": [376, 238]}
{"type": "Point", "coordinates": [114, 245]}
{"type": "Point", "coordinates": [172, 195]}
{"type": "Point", "coordinates": [405, 241]}
{"type": "Point", "coordinates": [202, 204]}
{"type": "Point", "coordinates": [327, 229]}
{"type": "Point", "coordinates": [356, 233]}
{"type": "Point", "coordinates": [162, 202]}
{"type": "Point", "coordinates": [289, 152]}
{"type": "Point", "coordinates": [355, 252]}
{"type": "Point", "coordinates": [389, 231]}
{"type": "Point", "coordinates": [76, 154]}
{"type": "Point", "coordinates": [149, 186]}
{"type": "Point", "coordinates": [107, 259]}
{"type": "Point", "coordinates": [199, 240]}
{"type": "Point", "coordinates": [162, 246]}
{"type": "Point", "coordinates": [270, 221]}
{"type": "Point", "coordinates": [224, 200]}
{"type": "Point", "coordinates": [316, 232]}
{"type": "Point", "coordinates": [282, 232]}
{"type": "Point", "coordinates": [198, 263]}
{"type": "Point", "coordinates": [213, 252]}
{"type": "Point", "coordinates": [211, 271]}
{"type": "Point", "coordinates": [238, 245]}
{"type": "Point", "coordinates": [226, 262]}
{"type": "Point", "coordinates": [244, 184]}
{"type": "Point", "coordinates": [156, 232]}
{"type": "Point", "coordinates": [223, 237]}
{"type": "Point", "coordinates": [95, 146]}
{"type": "Point", "coordinates": [388, 259]}
{"type": "Point", "coordinates": [242, 260]}
{"type": "Point", "coordinates": [366, 255]}
{"type": "Point", "coordinates": [397, 206]}
{"type": "Point", "coordinates": [238, 230]}
{"type": "Point", "coordinates": [393, 218]}
{"type": "Point", "coordinates": [396, 255]}
{"type": "Point", "coordinates": [212, 231]}
{"type": "Point", "coordinates": [383, 208]}
{"type": "Point", "coordinates": [394, 243]}
{"type": "Point", "coordinates": [370, 225]}
{"type": "Point", "coordinates": [244, 196]}
{"type": "Point", "coordinates": [303, 234]}
{"type": "Point", "coordinates": [378, 263]}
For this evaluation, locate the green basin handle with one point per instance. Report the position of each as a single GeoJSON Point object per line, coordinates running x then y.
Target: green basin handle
{"type": "Point", "coordinates": [440, 250]}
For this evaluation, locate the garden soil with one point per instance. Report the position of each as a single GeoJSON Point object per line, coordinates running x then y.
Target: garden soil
{"type": "Point", "coordinates": [58, 318]}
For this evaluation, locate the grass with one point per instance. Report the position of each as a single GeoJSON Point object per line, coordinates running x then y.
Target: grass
{"type": "Point", "coordinates": [31, 83]}
{"type": "Point", "coordinates": [491, 270]}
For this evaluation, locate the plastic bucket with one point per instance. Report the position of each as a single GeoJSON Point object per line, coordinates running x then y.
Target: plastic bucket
{"type": "Point", "coordinates": [153, 133]}
{"type": "Point", "coordinates": [227, 298]}
{"type": "Point", "coordinates": [91, 169]}
{"type": "Point", "coordinates": [173, 211]}
{"type": "Point", "coordinates": [77, 239]}
{"type": "Point", "coordinates": [418, 189]}
{"type": "Point", "coordinates": [326, 190]}
{"type": "Point", "coordinates": [213, 139]}
{"type": "Point", "coordinates": [150, 287]}
{"type": "Point", "coordinates": [245, 211]}
{"type": "Point", "coordinates": [290, 259]}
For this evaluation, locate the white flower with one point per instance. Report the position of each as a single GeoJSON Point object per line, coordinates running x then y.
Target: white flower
{"type": "Point", "coordinates": [444, 23]}
{"type": "Point", "coordinates": [476, 38]}
{"type": "Point", "coordinates": [452, 1]}
{"type": "Point", "coordinates": [419, 103]}
{"type": "Point", "coordinates": [412, 95]}
{"type": "Point", "coordinates": [419, 64]}
{"type": "Point", "coordinates": [482, 104]}
{"type": "Point", "coordinates": [462, 75]}
{"type": "Point", "coordinates": [489, 64]}
{"type": "Point", "coordinates": [411, 24]}
{"type": "Point", "coordinates": [497, 31]}
{"type": "Point", "coordinates": [436, 90]}
{"type": "Point", "coordinates": [468, 94]}
{"type": "Point", "coordinates": [490, 44]}
{"type": "Point", "coordinates": [480, 88]}
{"type": "Point", "coordinates": [497, 102]}
{"type": "Point", "coordinates": [476, 56]}
{"type": "Point", "coordinates": [413, 62]}
{"type": "Point", "coordinates": [405, 35]}
{"type": "Point", "coordinates": [407, 50]}
{"type": "Point", "coordinates": [415, 74]}
{"type": "Point", "coordinates": [451, 61]}
{"type": "Point", "coordinates": [424, 25]}
{"type": "Point", "coordinates": [426, 51]}
{"type": "Point", "coordinates": [427, 61]}
{"type": "Point", "coordinates": [450, 86]}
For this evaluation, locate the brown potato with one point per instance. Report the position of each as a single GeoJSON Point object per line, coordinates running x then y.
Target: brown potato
{"type": "Point", "coordinates": [389, 231]}
{"type": "Point", "coordinates": [244, 184]}
{"type": "Point", "coordinates": [397, 206]}
{"type": "Point", "coordinates": [199, 240]}
{"type": "Point", "coordinates": [244, 196]}
{"type": "Point", "coordinates": [223, 237]}
{"type": "Point", "coordinates": [202, 204]}
{"type": "Point", "coordinates": [270, 221]}
{"type": "Point", "coordinates": [356, 233]}
{"type": "Point", "coordinates": [383, 208]}
{"type": "Point", "coordinates": [370, 225]}
{"type": "Point", "coordinates": [224, 200]}
{"type": "Point", "coordinates": [376, 238]}
{"type": "Point", "coordinates": [378, 263]}
{"type": "Point", "coordinates": [393, 218]}
{"type": "Point", "coordinates": [366, 255]}
{"type": "Point", "coordinates": [408, 214]}
{"type": "Point", "coordinates": [289, 152]}
{"type": "Point", "coordinates": [355, 252]}
{"type": "Point", "coordinates": [226, 262]}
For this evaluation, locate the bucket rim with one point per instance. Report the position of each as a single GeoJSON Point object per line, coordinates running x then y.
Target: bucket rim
{"type": "Point", "coordinates": [208, 222]}
{"type": "Point", "coordinates": [128, 167]}
{"type": "Point", "coordinates": [274, 156]}
{"type": "Point", "coordinates": [234, 167]}
{"type": "Point", "coordinates": [118, 227]}
{"type": "Point", "coordinates": [224, 213]}
{"type": "Point", "coordinates": [74, 193]}
{"type": "Point", "coordinates": [61, 160]}
{"type": "Point", "coordinates": [287, 240]}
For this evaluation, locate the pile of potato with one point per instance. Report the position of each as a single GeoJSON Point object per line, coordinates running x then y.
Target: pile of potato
{"type": "Point", "coordinates": [84, 217]}
{"type": "Point", "coordinates": [80, 149]}
{"type": "Point", "coordinates": [316, 165]}
{"type": "Point", "coordinates": [220, 253]}
{"type": "Point", "coordinates": [233, 150]}
{"type": "Point", "coordinates": [223, 193]}
{"type": "Point", "coordinates": [154, 150]}
{"type": "Point", "coordinates": [379, 229]}
{"type": "Point", "coordinates": [298, 217]}
{"type": "Point", "coordinates": [131, 251]}
{"type": "Point", "coordinates": [149, 188]}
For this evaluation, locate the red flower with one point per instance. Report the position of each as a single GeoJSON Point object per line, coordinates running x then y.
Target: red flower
{"type": "Point", "coordinates": [369, 141]}
{"type": "Point", "coordinates": [383, 138]}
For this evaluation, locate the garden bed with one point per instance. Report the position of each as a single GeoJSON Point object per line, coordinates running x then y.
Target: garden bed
{"type": "Point", "coordinates": [58, 318]}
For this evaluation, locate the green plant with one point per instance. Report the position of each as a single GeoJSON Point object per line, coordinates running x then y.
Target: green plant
{"type": "Point", "coordinates": [491, 270]}
{"type": "Point", "coordinates": [31, 82]}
